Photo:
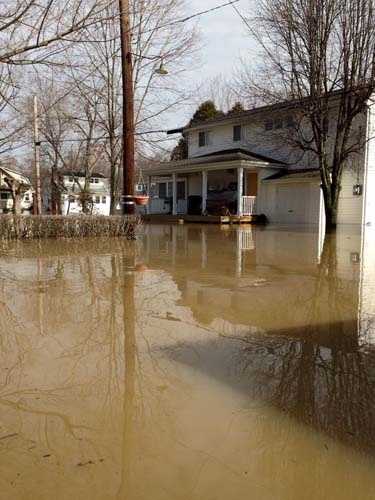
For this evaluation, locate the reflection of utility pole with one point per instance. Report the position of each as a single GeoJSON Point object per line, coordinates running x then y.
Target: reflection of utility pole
{"type": "Point", "coordinates": [130, 355]}
{"type": "Point", "coordinates": [38, 201]}
{"type": "Point", "coordinates": [128, 110]}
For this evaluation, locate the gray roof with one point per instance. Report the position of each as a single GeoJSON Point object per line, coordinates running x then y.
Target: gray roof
{"type": "Point", "coordinates": [301, 174]}
{"type": "Point", "coordinates": [226, 156]}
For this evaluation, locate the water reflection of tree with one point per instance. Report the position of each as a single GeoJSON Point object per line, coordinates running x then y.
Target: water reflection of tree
{"type": "Point", "coordinates": [320, 373]}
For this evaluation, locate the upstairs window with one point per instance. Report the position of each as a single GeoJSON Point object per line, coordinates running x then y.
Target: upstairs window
{"type": "Point", "coordinates": [71, 179]}
{"type": "Point", "coordinates": [203, 139]}
{"type": "Point", "coordinates": [94, 180]}
{"type": "Point", "coordinates": [237, 133]}
{"type": "Point", "coordinates": [268, 125]}
{"type": "Point", "coordinates": [104, 199]}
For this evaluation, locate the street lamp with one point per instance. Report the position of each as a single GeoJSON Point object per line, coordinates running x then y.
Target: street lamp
{"type": "Point", "coordinates": [161, 70]}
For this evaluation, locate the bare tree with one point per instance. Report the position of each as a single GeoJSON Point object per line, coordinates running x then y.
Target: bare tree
{"type": "Point", "coordinates": [322, 54]}
{"type": "Point", "coordinates": [97, 76]}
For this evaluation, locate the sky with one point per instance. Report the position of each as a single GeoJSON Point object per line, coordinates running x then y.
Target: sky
{"type": "Point", "coordinates": [223, 35]}
{"type": "Point", "coordinates": [223, 41]}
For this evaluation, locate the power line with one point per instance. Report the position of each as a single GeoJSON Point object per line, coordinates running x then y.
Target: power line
{"type": "Point", "coordinates": [197, 14]}
{"type": "Point", "coordinates": [241, 16]}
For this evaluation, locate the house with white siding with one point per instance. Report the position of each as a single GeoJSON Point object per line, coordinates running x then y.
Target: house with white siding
{"type": "Point", "coordinates": [15, 185]}
{"type": "Point", "coordinates": [73, 186]}
{"type": "Point", "coordinates": [248, 164]}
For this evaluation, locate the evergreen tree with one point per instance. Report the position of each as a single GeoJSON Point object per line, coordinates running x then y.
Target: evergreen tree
{"type": "Point", "coordinates": [237, 108]}
{"type": "Point", "coordinates": [180, 152]}
{"type": "Point", "coordinates": [206, 111]}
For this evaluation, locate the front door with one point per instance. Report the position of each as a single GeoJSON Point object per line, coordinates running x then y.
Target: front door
{"type": "Point", "coordinates": [251, 185]}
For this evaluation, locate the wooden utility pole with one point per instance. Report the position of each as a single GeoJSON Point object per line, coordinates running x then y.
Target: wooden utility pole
{"type": "Point", "coordinates": [38, 196]}
{"type": "Point", "coordinates": [128, 110]}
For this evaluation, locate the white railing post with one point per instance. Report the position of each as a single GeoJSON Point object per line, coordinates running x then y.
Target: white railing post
{"type": "Point", "coordinates": [248, 205]}
{"type": "Point", "coordinates": [239, 190]}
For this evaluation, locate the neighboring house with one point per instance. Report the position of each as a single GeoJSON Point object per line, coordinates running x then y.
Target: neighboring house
{"type": "Point", "coordinates": [14, 184]}
{"type": "Point", "coordinates": [73, 184]}
{"type": "Point", "coordinates": [246, 163]}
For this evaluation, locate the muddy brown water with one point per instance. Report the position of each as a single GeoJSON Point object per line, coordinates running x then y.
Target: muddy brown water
{"type": "Point", "coordinates": [196, 363]}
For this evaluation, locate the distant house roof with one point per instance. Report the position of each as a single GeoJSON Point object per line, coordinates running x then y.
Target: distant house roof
{"type": "Point", "coordinates": [71, 173]}
{"type": "Point", "coordinates": [294, 175]}
{"type": "Point", "coordinates": [16, 176]}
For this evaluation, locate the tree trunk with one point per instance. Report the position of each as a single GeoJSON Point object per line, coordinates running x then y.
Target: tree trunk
{"type": "Point", "coordinates": [55, 194]}
{"type": "Point", "coordinates": [17, 199]}
{"type": "Point", "coordinates": [113, 188]}
{"type": "Point", "coordinates": [331, 213]}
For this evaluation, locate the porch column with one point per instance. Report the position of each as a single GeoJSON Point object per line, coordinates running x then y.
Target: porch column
{"type": "Point", "coordinates": [148, 207]}
{"type": "Point", "coordinates": [174, 194]}
{"type": "Point", "coordinates": [239, 190]}
{"type": "Point", "coordinates": [204, 191]}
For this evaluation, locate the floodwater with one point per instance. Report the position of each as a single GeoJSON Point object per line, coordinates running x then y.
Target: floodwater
{"type": "Point", "coordinates": [196, 363]}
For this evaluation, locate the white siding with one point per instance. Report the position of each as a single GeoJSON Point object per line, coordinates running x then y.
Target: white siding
{"type": "Point", "coordinates": [369, 178]}
{"type": "Point", "coordinates": [350, 206]}
{"type": "Point", "coordinates": [291, 202]}
{"type": "Point", "coordinates": [254, 138]}
{"type": "Point", "coordinates": [266, 192]}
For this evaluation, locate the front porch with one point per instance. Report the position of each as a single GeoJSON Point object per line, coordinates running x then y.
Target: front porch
{"type": "Point", "coordinates": [201, 219]}
{"type": "Point", "coordinates": [217, 188]}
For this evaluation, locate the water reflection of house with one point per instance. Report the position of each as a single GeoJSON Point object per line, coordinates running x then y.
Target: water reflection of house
{"type": "Point", "coordinates": [296, 324]}
{"type": "Point", "coordinates": [262, 278]}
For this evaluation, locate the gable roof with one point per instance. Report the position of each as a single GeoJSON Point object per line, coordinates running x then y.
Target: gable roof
{"type": "Point", "coordinates": [15, 176]}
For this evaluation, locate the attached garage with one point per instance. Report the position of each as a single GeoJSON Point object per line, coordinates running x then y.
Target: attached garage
{"type": "Point", "coordinates": [292, 198]}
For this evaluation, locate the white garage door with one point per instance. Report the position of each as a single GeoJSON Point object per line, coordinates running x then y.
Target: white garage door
{"type": "Point", "coordinates": [297, 203]}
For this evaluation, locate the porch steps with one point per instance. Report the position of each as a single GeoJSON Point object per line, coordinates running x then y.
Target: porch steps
{"type": "Point", "coordinates": [201, 219]}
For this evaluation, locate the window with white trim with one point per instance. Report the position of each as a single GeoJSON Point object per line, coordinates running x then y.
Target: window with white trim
{"type": "Point", "coordinates": [203, 139]}
{"type": "Point", "coordinates": [237, 133]}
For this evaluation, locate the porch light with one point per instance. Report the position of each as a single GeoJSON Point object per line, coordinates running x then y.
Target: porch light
{"type": "Point", "coordinates": [162, 70]}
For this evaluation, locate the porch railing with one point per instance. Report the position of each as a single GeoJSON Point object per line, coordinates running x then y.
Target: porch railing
{"type": "Point", "coordinates": [248, 205]}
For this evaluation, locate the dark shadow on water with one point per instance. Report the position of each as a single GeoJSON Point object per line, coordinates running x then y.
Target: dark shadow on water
{"type": "Point", "coordinates": [320, 371]}
{"type": "Point", "coordinates": [331, 389]}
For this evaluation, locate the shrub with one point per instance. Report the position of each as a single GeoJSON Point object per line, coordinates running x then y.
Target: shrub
{"type": "Point", "coordinates": [82, 226]}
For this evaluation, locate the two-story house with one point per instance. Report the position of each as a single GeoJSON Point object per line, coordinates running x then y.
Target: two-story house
{"type": "Point", "coordinates": [13, 185]}
{"type": "Point", "coordinates": [248, 164]}
{"type": "Point", "coordinates": [73, 187]}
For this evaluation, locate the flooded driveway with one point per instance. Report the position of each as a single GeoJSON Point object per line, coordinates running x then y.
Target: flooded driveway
{"type": "Point", "coordinates": [197, 363]}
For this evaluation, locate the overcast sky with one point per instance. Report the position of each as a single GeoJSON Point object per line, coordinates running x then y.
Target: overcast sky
{"type": "Point", "coordinates": [223, 34]}
{"type": "Point", "coordinates": [223, 40]}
